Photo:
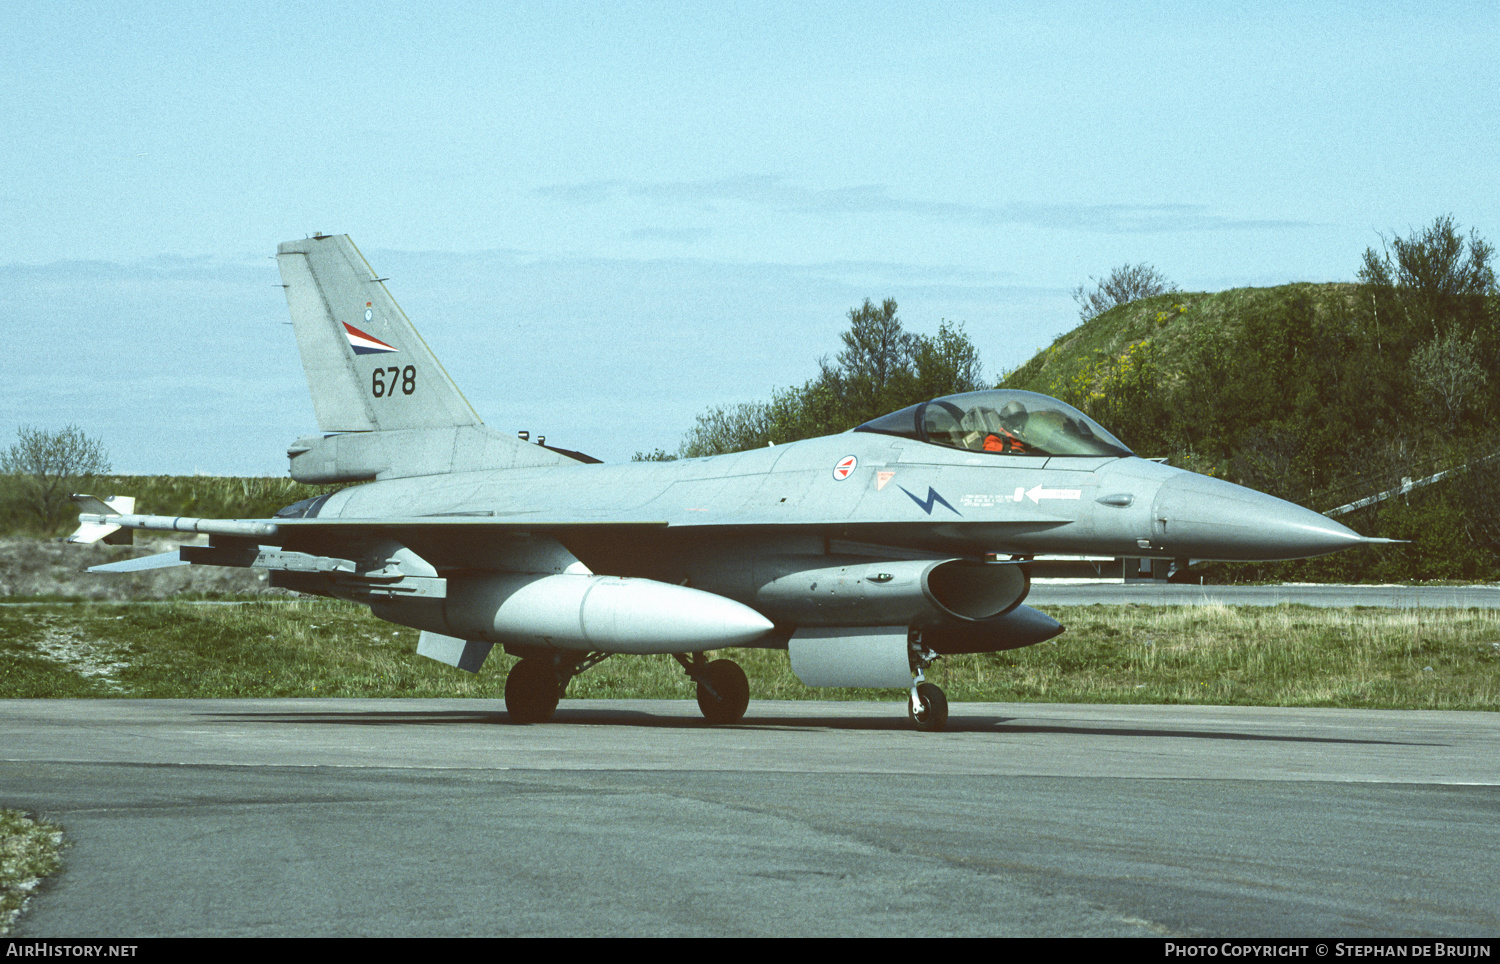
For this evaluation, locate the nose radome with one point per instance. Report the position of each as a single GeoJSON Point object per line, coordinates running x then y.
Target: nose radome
{"type": "Point", "coordinates": [1204, 518]}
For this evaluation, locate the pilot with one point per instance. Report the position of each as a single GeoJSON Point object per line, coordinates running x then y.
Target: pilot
{"type": "Point", "coordinates": [1008, 435]}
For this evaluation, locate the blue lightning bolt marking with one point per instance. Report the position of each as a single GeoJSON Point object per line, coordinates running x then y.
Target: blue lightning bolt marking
{"type": "Point", "coordinates": [932, 497]}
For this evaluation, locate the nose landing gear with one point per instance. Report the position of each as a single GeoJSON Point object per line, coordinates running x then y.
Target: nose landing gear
{"type": "Point", "coordinates": [928, 705]}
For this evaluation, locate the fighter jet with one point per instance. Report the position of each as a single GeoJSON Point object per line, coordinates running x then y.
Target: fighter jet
{"type": "Point", "coordinates": [865, 555]}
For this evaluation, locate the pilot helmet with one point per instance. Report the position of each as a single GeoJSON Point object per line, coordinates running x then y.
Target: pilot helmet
{"type": "Point", "coordinates": [1013, 416]}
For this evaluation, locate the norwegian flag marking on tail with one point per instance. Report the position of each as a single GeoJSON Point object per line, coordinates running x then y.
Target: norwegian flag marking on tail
{"type": "Point", "coordinates": [365, 344]}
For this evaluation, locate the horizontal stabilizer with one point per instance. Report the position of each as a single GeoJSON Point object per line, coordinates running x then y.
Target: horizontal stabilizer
{"type": "Point", "coordinates": [162, 560]}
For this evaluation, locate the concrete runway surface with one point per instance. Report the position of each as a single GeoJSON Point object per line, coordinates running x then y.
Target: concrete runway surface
{"type": "Point", "coordinates": [437, 817]}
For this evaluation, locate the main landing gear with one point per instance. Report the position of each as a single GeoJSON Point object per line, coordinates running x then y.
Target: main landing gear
{"type": "Point", "coordinates": [532, 690]}
{"type": "Point", "coordinates": [538, 681]}
{"type": "Point", "coordinates": [723, 690]}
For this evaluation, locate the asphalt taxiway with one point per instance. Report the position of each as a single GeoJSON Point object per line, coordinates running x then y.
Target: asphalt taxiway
{"type": "Point", "coordinates": [438, 817]}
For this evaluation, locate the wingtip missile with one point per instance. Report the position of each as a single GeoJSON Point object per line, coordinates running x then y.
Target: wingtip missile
{"type": "Point", "coordinates": [96, 519]}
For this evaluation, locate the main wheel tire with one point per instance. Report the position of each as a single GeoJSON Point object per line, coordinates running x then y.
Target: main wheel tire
{"type": "Point", "coordinates": [732, 689]}
{"type": "Point", "coordinates": [934, 713]}
{"type": "Point", "coordinates": [531, 691]}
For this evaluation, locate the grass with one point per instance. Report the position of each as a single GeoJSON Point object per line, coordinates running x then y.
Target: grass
{"type": "Point", "coordinates": [1253, 656]}
{"type": "Point", "coordinates": [30, 850]}
{"type": "Point", "coordinates": [1281, 656]}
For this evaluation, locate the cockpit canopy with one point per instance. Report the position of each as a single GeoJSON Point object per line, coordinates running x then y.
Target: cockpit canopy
{"type": "Point", "coordinates": [1002, 422]}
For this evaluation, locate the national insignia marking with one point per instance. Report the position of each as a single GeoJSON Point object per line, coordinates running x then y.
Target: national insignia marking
{"type": "Point", "coordinates": [364, 343]}
{"type": "Point", "coordinates": [845, 468]}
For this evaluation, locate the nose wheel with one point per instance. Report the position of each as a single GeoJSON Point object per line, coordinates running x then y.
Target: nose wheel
{"type": "Point", "coordinates": [928, 707]}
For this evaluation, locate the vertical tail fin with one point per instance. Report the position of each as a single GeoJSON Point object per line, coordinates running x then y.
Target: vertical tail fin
{"type": "Point", "coordinates": [367, 368]}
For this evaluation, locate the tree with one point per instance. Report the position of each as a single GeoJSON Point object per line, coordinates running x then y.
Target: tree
{"type": "Point", "coordinates": [1127, 283]}
{"type": "Point", "coordinates": [876, 362]}
{"type": "Point", "coordinates": [1430, 295]}
{"type": "Point", "coordinates": [1479, 493]}
{"type": "Point", "coordinates": [882, 368]}
{"type": "Point", "coordinates": [791, 414]}
{"type": "Point", "coordinates": [45, 465]}
{"type": "Point", "coordinates": [946, 363]}
{"type": "Point", "coordinates": [1433, 283]}
{"type": "Point", "coordinates": [728, 428]}
{"type": "Point", "coordinates": [1448, 375]}
{"type": "Point", "coordinates": [1433, 265]}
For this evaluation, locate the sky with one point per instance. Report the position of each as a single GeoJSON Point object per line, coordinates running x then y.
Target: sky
{"type": "Point", "coordinates": [607, 218]}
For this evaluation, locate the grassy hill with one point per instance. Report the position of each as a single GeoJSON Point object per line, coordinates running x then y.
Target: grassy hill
{"type": "Point", "coordinates": [1176, 325]}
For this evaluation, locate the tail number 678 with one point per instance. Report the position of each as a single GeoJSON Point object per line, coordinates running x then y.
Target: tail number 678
{"type": "Point", "coordinates": [387, 381]}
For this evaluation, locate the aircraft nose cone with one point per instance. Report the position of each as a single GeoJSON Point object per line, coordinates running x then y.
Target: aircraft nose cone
{"type": "Point", "coordinates": [1204, 518]}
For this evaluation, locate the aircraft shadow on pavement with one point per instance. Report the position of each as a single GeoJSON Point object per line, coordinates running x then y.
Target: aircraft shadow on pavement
{"type": "Point", "coordinates": [564, 717]}
{"type": "Point", "coordinates": [1199, 735]}
{"type": "Point", "coordinates": [619, 716]}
